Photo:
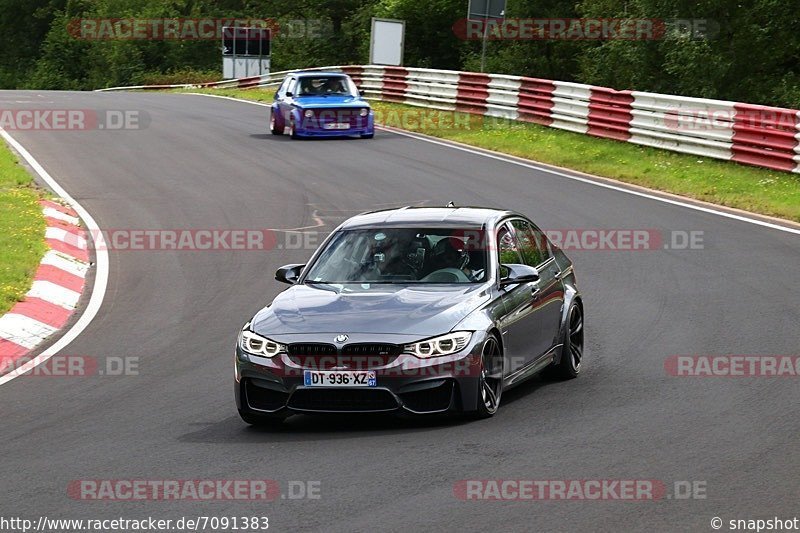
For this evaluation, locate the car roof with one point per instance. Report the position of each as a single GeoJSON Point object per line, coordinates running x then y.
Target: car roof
{"type": "Point", "coordinates": [456, 217]}
{"type": "Point", "coordinates": [307, 73]}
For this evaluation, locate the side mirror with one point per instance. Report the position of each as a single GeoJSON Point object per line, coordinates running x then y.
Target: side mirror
{"type": "Point", "coordinates": [362, 93]}
{"type": "Point", "coordinates": [516, 274]}
{"type": "Point", "coordinates": [289, 273]}
{"type": "Point", "coordinates": [289, 93]}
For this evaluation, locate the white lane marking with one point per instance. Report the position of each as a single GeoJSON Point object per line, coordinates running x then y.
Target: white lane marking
{"type": "Point", "coordinates": [533, 166]}
{"type": "Point", "coordinates": [24, 331]}
{"type": "Point", "coordinates": [101, 274]}
{"type": "Point", "coordinates": [65, 263]}
{"type": "Point", "coordinates": [58, 215]}
{"type": "Point", "coordinates": [55, 294]}
{"type": "Point", "coordinates": [262, 104]}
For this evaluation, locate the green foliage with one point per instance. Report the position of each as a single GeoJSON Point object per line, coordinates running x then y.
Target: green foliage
{"type": "Point", "coordinates": [752, 52]}
{"type": "Point", "coordinates": [22, 227]}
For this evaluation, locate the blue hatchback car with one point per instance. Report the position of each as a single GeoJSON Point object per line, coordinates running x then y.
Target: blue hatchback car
{"type": "Point", "coordinates": [321, 104]}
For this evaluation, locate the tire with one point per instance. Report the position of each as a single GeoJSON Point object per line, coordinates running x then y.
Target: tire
{"type": "Point", "coordinates": [490, 380]}
{"type": "Point", "coordinates": [293, 129]}
{"type": "Point", "coordinates": [367, 135]}
{"type": "Point", "coordinates": [262, 421]}
{"type": "Point", "coordinates": [572, 349]}
{"type": "Point", "coordinates": [273, 124]}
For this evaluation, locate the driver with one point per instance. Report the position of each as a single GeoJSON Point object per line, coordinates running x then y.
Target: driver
{"type": "Point", "coordinates": [390, 253]}
{"type": "Point", "coordinates": [450, 252]}
{"type": "Point", "coordinates": [311, 87]}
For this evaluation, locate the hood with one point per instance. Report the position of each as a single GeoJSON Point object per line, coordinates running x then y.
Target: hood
{"type": "Point", "coordinates": [403, 309]}
{"type": "Point", "coordinates": [324, 102]}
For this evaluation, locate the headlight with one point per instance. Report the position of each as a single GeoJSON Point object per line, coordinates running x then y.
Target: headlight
{"type": "Point", "coordinates": [438, 346]}
{"type": "Point", "coordinates": [308, 113]}
{"type": "Point", "coordinates": [258, 345]}
{"type": "Point", "coordinates": [364, 112]}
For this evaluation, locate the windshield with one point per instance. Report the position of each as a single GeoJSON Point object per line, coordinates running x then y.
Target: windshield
{"type": "Point", "coordinates": [326, 86]}
{"type": "Point", "coordinates": [401, 255]}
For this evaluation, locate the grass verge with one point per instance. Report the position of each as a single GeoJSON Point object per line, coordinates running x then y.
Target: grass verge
{"type": "Point", "coordinates": [721, 182]}
{"type": "Point", "coordinates": [22, 227]}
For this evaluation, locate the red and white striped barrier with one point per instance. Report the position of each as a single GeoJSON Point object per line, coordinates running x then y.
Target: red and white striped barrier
{"type": "Point", "coordinates": [751, 134]}
{"type": "Point", "coordinates": [56, 290]}
{"type": "Point", "coordinates": [755, 135]}
{"type": "Point", "coordinates": [766, 136]}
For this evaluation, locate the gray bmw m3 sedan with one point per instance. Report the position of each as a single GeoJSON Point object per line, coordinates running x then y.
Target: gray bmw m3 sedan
{"type": "Point", "coordinates": [413, 310]}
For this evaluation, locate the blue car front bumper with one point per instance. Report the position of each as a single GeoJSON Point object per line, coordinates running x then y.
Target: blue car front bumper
{"type": "Point", "coordinates": [330, 127]}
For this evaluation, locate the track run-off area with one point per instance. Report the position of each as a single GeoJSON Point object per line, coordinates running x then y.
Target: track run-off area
{"type": "Point", "coordinates": [200, 163]}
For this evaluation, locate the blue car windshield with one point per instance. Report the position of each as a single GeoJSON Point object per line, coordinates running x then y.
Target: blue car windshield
{"type": "Point", "coordinates": [326, 86]}
{"type": "Point", "coordinates": [402, 255]}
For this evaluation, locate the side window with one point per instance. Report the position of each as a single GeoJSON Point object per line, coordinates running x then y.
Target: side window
{"type": "Point", "coordinates": [507, 251]}
{"type": "Point", "coordinates": [284, 85]}
{"type": "Point", "coordinates": [532, 243]}
{"type": "Point", "coordinates": [352, 88]}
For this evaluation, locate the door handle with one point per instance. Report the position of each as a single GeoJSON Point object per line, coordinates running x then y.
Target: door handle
{"type": "Point", "coordinates": [535, 291]}
{"type": "Point", "coordinates": [557, 275]}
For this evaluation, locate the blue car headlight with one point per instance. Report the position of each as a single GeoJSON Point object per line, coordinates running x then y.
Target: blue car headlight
{"type": "Point", "coordinates": [364, 112]}
{"type": "Point", "coordinates": [308, 113]}
{"type": "Point", "coordinates": [438, 346]}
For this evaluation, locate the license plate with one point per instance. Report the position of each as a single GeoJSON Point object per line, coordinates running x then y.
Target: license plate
{"type": "Point", "coordinates": [337, 126]}
{"type": "Point", "coordinates": [339, 378]}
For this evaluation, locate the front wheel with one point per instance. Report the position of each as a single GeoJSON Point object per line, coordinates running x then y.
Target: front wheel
{"type": "Point", "coordinates": [572, 350]}
{"type": "Point", "coordinates": [490, 380]}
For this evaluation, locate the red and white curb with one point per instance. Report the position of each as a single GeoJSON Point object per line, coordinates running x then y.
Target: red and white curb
{"type": "Point", "coordinates": [56, 290]}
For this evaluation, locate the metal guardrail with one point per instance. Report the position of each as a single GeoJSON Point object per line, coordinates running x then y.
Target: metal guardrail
{"type": "Point", "coordinates": [746, 133]}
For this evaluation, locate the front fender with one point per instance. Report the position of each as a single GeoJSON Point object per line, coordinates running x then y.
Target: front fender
{"type": "Point", "coordinates": [296, 114]}
{"type": "Point", "coordinates": [571, 295]}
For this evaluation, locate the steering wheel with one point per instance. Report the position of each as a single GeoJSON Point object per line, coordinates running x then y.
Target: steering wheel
{"type": "Point", "coordinates": [446, 275]}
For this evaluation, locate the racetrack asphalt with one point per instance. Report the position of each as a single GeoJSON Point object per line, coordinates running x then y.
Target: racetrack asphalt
{"type": "Point", "coordinates": [203, 163]}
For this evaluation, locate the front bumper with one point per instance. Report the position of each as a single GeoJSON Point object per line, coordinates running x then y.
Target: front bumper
{"type": "Point", "coordinates": [406, 384]}
{"type": "Point", "coordinates": [319, 126]}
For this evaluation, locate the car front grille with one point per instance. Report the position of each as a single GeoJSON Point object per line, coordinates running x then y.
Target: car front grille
{"type": "Point", "coordinates": [372, 349]}
{"type": "Point", "coordinates": [357, 356]}
{"type": "Point", "coordinates": [343, 115]}
{"type": "Point", "coordinates": [309, 349]}
{"type": "Point", "coordinates": [342, 400]}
